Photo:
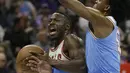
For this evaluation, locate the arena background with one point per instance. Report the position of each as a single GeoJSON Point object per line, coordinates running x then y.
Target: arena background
{"type": "Point", "coordinates": [24, 22]}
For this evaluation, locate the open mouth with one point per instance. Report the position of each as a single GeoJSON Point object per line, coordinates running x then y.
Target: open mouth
{"type": "Point", "coordinates": [52, 31]}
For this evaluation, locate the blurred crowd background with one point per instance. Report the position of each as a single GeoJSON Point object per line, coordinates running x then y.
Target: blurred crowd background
{"type": "Point", "coordinates": [24, 22]}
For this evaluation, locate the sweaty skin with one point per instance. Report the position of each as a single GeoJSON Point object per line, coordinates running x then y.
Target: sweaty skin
{"type": "Point", "coordinates": [59, 30]}
{"type": "Point", "coordinates": [73, 48]}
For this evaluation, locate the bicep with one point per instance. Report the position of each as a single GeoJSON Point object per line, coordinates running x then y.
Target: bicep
{"type": "Point", "coordinates": [73, 54]}
{"type": "Point", "coordinates": [77, 52]}
{"type": "Point", "coordinates": [75, 46]}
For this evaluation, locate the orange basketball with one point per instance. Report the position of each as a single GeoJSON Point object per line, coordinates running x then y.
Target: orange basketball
{"type": "Point", "coordinates": [23, 54]}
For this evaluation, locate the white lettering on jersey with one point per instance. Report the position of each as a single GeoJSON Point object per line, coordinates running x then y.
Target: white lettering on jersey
{"type": "Point", "coordinates": [118, 41]}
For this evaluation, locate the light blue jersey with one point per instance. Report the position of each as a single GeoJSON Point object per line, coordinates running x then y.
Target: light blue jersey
{"type": "Point", "coordinates": [103, 54]}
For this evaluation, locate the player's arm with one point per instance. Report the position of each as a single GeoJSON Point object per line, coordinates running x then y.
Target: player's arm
{"type": "Point", "coordinates": [97, 19]}
{"type": "Point", "coordinates": [76, 54]}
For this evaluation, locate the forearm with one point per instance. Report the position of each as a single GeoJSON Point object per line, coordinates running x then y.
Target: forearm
{"type": "Point", "coordinates": [77, 7]}
{"type": "Point", "coordinates": [74, 66]}
{"type": "Point", "coordinates": [91, 14]}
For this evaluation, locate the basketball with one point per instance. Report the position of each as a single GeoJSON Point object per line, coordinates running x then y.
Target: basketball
{"type": "Point", "coordinates": [23, 54]}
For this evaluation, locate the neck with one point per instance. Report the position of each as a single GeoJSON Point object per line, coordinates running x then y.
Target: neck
{"type": "Point", "coordinates": [56, 42]}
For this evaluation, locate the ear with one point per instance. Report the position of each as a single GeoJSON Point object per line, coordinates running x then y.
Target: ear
{"type": "Point", "coordinates": [107, 7]}
{"type": "Point", "coordinates": [67, 26]}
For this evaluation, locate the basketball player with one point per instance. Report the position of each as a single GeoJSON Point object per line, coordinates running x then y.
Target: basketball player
{"type": "Point", "coordinates": [67, 54]}
{"type": "Point", "coordinates": [103, 38]}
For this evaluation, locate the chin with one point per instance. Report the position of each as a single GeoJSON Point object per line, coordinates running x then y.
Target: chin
{"type": "Point", "coordinates": [52, 37]}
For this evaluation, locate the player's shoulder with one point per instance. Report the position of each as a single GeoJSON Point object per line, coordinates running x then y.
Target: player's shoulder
{"type": "Point", "coordinates": [75, 38]}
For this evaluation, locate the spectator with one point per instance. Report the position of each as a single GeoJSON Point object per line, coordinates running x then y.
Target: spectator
{"type": "Point", "coordinates": [2, 33]}
{"type": "Point", "coordinates": [124, 52]}
{"type": "Point", "coordinates": [12, 14]}
{"type": "Point", "coordinates": [43, 16]}
{"type": "Point", "coordinates": [4, 48]}
{"type": "Point", "coordinates": [128, 46]}
{"type": "Point", "coordinates": [3, 14]}
{"type": "Point", "coordinates": [45, 22]}
{"type": "Point", "coordinates": [17, 35]}
{"type": "Point", "coordinates": [27, 8]}
{"type": "Point", "coordinates": [42, 40]}
{"type": "Point", "coordinates": [3, 62]}
{"type": "Point", "coordinates": [53, 4]}
{"type": "Point", "coordinates": [127, 26]}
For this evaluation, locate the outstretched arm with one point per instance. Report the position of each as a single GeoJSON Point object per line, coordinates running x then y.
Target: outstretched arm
{"type": "Point", "coordinates": [97, 19]}
{"type": "Point", "coordinates": [83, 11]}
{"type": "Point", "coordinates": [75, 49]}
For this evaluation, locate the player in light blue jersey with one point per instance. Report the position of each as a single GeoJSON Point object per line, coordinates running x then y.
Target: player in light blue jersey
{"type": "Point", "coordinates": [103, 38]}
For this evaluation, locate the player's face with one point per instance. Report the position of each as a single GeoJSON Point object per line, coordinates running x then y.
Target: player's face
{"type": "Point", "coordinates": [101, 5]}
{"type": "Point", "coordinates": [56, 27]}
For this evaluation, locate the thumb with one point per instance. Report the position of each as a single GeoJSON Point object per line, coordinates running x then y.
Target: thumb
{"type": "Point", "coordinates": [42, 56]}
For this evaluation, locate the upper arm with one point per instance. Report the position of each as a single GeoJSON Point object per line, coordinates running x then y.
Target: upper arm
{"type": "Point", "coordinates": [75, 47]}
{"type": "Point", "coordinates": [95, 17]}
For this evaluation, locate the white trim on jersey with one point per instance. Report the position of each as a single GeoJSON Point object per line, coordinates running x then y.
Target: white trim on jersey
{"type": "Point", "coordinates": [57, 53]}
{"type": "Point", "coordinates": [117, 33]}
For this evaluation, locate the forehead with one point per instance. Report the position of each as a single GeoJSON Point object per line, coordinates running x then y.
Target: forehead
{"type": "Point", "coordinates": [57, 16]}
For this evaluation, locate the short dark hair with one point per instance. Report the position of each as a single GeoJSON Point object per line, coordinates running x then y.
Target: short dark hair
{"type": "Point", "coordinates": [119, 9]}
{"type": "Point", "coordinates": [69, 21]}
{"type": "Point", "coordinates": [67, 16]}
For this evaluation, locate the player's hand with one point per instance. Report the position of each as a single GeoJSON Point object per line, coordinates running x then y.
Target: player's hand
{"type": "Point", "coordinates": [38, 65]}
{"type": "Point", "coordinates": [54, 62]}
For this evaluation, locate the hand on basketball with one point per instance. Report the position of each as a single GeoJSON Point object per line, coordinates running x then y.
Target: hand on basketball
{"type": "Point", "coordinates": [54, 62]}
{"type": "Point", "coordinates": [38, 65]}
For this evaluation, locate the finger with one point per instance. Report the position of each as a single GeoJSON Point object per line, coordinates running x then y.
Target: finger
{"type": "Point", "coordinates": [33, 62]}
{"type": "Point", "coordinates": [36, 54]}
{"type": "Point", "coordinates": [42, 56]}
{"type": "Point", "coordinates": [31, 65]}
{"type": "Point", "coordinates": [33, 53]}
{"type": "Point", "coordinates": [33, 69]}
{"type": "Point", "coordinates": [25, 60]}
{"type": "Point", "coordinates": [33, 58]}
